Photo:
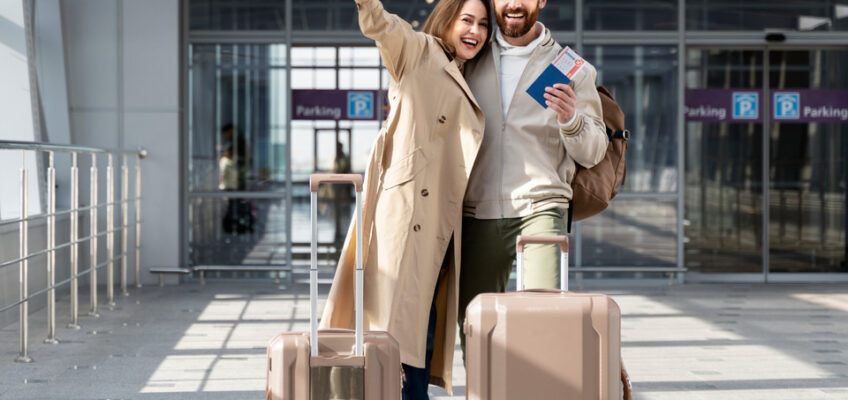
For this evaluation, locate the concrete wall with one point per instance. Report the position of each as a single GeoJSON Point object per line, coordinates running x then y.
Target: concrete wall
{"type": "Point", "coordinates": [17, 121]}
{"type": "Point", "coordinates": [110, 71]}
{"type": "Point", "coordinates": [37, 241]}
{"type": "Point", "coordinates": [123, 79]}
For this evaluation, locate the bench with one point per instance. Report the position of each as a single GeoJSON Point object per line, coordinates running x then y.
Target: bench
{"type": "Point", "coordinates": [254, 268]}
{"type": "Point", "coordinates": [168, 270]}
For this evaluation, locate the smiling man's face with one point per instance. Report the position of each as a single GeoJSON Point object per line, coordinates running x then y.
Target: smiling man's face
{"type": "Point", "coordinates": [517, 17]}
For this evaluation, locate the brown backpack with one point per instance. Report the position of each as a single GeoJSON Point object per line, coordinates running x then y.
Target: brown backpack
{"type": "Point", "coordinates": [595, 187]}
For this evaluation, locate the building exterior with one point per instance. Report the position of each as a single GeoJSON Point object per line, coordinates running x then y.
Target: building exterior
{"type": "Point", "coordinates": [736, 169]}
{"type": "Point", "coordinates": [696, 197]}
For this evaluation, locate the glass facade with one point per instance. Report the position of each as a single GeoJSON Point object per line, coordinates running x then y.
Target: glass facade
{"type": "Point", "coordinates": [724, 188]}
{"type": "Point", "coordinates": [805, 174]}
{"type": "Point", "coordinates": [759, 15]}
{"type": "Point", "coordinates": [237, 151]}
{"type": "Point", "coordinates": [701, 195]}
{"type": "Point", "coordinates": [807, 217]}
{"type": "Point", "coordinates": [622, 15]}
{"type": "Point", "coordinates": [228, 15]}
{"type": "Point", "coordinates": [643, 80]}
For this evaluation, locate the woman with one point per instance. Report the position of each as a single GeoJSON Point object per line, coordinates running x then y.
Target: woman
{"type": "Point", "coordinates": [414, 186]}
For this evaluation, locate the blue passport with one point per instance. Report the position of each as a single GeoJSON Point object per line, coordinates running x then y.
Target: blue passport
{"type": "Point", "coordinates": [561, 70]}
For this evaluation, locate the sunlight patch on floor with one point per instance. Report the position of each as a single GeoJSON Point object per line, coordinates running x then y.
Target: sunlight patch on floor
{"type": "Point", "coordinates": [208, 373]}
{"type": "Point", "coordinates": [834, 301]}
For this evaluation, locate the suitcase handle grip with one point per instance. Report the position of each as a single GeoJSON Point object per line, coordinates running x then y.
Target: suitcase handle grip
{"type": "Point", "coordinates": [317, 179]}
{"type": "Point", "coordinates": [314, 181]}
{"type": "Point", "coordinates": [520, 241]}
{"type": "Point", "coordinates": [561, 240]}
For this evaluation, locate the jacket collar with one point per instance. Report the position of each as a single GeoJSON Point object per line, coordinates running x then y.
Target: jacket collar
{"type": "Point", "coordinates": [452, 67]}
{"type": "Point", "coordinates": [546, 44]}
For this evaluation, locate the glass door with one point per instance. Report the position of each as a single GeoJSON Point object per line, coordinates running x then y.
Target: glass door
{"type": "Point", "coordinates": [237, 155]}
{"type": "Point", "coordinates": [724, 160]}
{"type": "Point", "coordinates": [766, 160]}
{"type": "Point", "coordinates": [808, 139]}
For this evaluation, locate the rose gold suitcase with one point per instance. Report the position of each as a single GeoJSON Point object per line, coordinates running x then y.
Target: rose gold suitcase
{"type": "Point", "coordinates": [543, 344]}
{"type": "Point", "coordinates": [343, 364]}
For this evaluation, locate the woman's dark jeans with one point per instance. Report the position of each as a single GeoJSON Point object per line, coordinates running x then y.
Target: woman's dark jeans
{"type": "Point", "coordinates": [417, 380]}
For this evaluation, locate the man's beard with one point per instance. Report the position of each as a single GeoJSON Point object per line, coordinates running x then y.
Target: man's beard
{"type": "Point", "coordinates": [529, 22]}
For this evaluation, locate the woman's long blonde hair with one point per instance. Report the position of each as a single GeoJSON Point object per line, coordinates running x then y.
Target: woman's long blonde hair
{"type": "Point", "coordinates": [443, 17]}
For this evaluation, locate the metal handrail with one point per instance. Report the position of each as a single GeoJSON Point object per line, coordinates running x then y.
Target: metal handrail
{"type": "Point", "coordinates": [68, 148]}
{"type": "Point", "coordinates": [63, 212]}
{"type": "Point", "coordinates": [62, 246]}
{"type": "Point", "coordinates": [123, 226]}
{"type": "Point", "coordinates": [57, 285]}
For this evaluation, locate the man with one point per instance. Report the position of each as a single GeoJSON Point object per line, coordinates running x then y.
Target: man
{"type": "Point", "coordinates": [521, 181]}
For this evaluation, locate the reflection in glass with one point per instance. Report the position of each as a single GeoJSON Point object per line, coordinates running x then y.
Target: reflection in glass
{"type": "Point", "coordinates": [229, 15]}
{"type": "Point", "coordinates": [311, 15]}
{"type": "Point", "coordinates": [617, 15]}
{"type": "Point", "coordinates": [236, 231]}
{"type": "Point", "coordinates": [758, 15]}
{"type": "Point", "coordinates": [313, 57]}
{"type": "Point", "coordinates": [643, 80]}
{"type": "Point", "coordinates": [558, 15]}
{"type": "Point", "coordinates": [237, 103]}
{"type": "Point", "coordinates": [236, 144]}
{"type": "Point", "coordinates": [807, 217]}
{"type": "Point", "coordinates": [632, 232]}
{"type": "Point", "coordinates": [327, 145]}
{"type": "Point", "coordinates": [723, 178]}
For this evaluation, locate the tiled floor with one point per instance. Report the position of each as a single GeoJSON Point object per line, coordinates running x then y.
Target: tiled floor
{"type": "Point", "coordinates": [679, 342]}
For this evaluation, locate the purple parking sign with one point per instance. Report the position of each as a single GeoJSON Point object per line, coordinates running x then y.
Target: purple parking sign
{"type": "Point", "coordinates": [786, 105]}
{"type": "Point", "coordinates": [334, 105]}
{"type": "Point", "coordinates": [810, 105]}
{"type": "Point", "coordinates": [723, 105]}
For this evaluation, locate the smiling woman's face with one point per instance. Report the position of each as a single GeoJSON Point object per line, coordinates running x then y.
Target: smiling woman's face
{"type": "Point", "coordinates": [470, 30]}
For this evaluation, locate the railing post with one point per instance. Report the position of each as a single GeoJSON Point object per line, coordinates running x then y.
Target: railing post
{"type": "Point", "coordinates": [110, 235]}
{"type": "Point", "coordinates": [93, 241]}
{"type": "Point", "coordinates": [51, 256]}
{"type": "Point", "coordinates": [138, 220]}
{"type": "Point", "coordinates": [124, 221]}
{"type": "Point", "coordinates": [74, 324]}
{"type": "Point", "coordinates": [23, 236]}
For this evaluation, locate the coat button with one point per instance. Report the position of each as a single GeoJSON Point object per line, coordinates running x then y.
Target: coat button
{"type": "Point", "coordinates": [416, 228]}
{"type": "Point", "coordinates": [425, 193]}
{"type": "Point", "coordinates": [442, 119]}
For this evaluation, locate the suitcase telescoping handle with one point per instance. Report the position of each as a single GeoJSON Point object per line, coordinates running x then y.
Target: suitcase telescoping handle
{"type": "Point", "coordinates": [562, 241]}
{"type": "Point", "coordinates": [314, 181]}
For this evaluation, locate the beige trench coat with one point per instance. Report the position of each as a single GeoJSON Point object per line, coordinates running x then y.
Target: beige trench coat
{"type": "Point", "coordinates": [412, 207]}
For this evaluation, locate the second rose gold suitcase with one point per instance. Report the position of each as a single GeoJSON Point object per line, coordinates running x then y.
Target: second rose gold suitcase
{"type": "Point", "coordinates": [341, 363]}
{"type": "Point", "coordinates": [543, 344]}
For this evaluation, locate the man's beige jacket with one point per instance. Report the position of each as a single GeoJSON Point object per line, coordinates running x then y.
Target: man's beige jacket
{"type": "Point", "coordinates": [527, 162]}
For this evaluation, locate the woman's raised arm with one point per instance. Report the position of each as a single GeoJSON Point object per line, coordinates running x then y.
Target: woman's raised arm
{"type": "Point", "coordinates": [400, 46]}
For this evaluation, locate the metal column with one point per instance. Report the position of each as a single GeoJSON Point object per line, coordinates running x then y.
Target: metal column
{"type": "Point", "coordinates": [138, 220]}
{"type": "Point", "coordinates": [124, 223]}
{"type": "Point", "coordinates": [74, 324]}
{"type": "Point", "coordinates": [92, 244]}
{"type": "Point", "coordinates": [24, 266]}
{"type": "Point", "coordinates": [51, 256]}
{"type": "Point", "coordinates": [110, 232]}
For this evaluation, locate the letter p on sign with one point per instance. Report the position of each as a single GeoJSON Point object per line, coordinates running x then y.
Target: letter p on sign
{"type": "Point", "coordinates": [746, 105]}
{"type": "Point", "coordinates": [360, 105]}
{"type": "Point", "coordinates": [787, 105]}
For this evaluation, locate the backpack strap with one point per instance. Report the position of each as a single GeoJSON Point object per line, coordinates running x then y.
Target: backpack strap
{"type": "Point", "coordinates": [619, 134]}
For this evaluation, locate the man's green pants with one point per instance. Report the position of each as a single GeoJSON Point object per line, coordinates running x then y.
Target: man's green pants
{"type": "Point", "coordinates": [488, 252]}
